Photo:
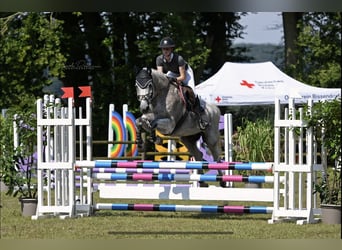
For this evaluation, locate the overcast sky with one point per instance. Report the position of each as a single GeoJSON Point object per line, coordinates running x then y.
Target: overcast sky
{"type": "Point", "coordinates": [261, 28]}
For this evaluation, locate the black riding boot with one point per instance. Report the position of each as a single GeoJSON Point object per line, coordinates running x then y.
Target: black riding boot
{"type": "Point", "coordinates": [199, 110]}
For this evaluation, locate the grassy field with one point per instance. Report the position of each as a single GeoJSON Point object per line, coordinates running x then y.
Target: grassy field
{"type": "Point", "coordinates": [154, 225]}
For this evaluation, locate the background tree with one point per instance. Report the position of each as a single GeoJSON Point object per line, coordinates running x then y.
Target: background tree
{"type": "Point", "coordinates": [89, 61]}
{"type": "Point", "coordinates": [103, 50]}
{"type": "Point", "coordinates": [30, 55]}
{"type": "Point", "coordinates": [319, 50]}
{"type": "Point", "coordinates": [313, 47]}
{"type": "Point", "coordinates": [218, 30]}
{"type": "Point", "coordinates": [291, 31]}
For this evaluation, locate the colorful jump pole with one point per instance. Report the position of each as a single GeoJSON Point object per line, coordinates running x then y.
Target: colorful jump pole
{"type": "Point", "coordinates": [177, 165]}
{"type": "Point", "coordinates": [186, 208]}
{"type": "Point", "coordinates": [181, 177]}
{"type": "Point", "coordinates": [141, 170]}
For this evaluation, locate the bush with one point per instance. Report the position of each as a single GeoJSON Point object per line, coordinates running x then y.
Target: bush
{"type": "Point", "coordinates": [254, 141]}
{"type": "Point", "coordinates": [326, 119]}
{"type": "Point", "coordinates": [18, 164]}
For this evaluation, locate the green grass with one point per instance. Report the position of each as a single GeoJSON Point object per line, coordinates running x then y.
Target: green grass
{"type": "Point", "coordinates": [154, 225]}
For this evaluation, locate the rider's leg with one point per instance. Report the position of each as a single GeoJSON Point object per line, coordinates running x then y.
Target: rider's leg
{"type": "Point", "coordinates": [196, 107]}
{"type": "Point", "coordinates": [203, 123]}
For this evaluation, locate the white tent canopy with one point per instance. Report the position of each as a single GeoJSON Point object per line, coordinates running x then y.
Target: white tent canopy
{"type": "Point", "coordinates": [258, 84]}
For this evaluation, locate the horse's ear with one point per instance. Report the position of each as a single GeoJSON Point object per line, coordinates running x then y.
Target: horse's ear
{"type": "Point", "coordinates": [137, 69]}
{"type": "Point", "coordinates": [149, 71]}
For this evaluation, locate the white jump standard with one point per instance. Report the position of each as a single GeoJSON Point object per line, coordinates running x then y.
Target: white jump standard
{"type": "Point", "coordinates": [67, 182]}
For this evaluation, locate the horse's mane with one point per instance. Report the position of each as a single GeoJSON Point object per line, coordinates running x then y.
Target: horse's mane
{"type": "Point", "coordinates": [158, 74]}
{"type": "Point", "coordinates": [159, 78]}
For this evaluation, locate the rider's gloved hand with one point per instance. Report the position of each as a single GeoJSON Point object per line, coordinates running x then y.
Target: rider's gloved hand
{"type": "Point", "coordinates": [172, 79]}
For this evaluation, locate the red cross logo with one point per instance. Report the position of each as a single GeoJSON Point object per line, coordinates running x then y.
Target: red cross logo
{"type": "Point", "coordinates": [247, 84]}
{"type": "Point", "coordinates": [218, 99]}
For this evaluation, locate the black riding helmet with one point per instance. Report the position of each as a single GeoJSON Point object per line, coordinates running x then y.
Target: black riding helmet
{"type": "Point", "coordinates": [166, 42]}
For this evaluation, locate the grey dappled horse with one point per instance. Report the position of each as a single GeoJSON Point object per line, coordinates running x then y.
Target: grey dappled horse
{"type": "Point", "coordinates": [164, 109]}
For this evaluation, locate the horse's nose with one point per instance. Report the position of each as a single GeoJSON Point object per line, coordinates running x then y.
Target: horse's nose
{"type": "Point", "coordinates": [143, 106]}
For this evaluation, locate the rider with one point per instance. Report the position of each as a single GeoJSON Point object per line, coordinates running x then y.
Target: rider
{"type": "Point", "coordinates": [174, 65]}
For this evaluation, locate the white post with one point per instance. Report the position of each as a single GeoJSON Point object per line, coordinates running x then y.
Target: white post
{"type": "Point", "coordinates": [15, 132]}
{"type": "Point", "coordinates": [80, 136]}
{"type": "Point", "coordinates": [89, 142]}
{"type": "Point", "coordinates": [40, 182]}
{"type": "Point", "coordinates": [228, 142]}
{"type": "Point", "coordinates": [276, 186]}
{"type": "Point", "coordinates": [171, 146]}
{"type": "Point", "coordinates": [309, 162]}
{"type": "Point", "coordinates": [228, 134]}
{"type": "Point", "coordinates": [292, 154]}
{"type": "Point", "coordinates": [286, 159]}
{"type": "Point", "coordinates": [72, 156]}
{"type": "Point", "coordinates": [300, 161]}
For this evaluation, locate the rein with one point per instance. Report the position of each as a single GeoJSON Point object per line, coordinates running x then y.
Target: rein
{"type": "Point", "coordinates": [181, 95]}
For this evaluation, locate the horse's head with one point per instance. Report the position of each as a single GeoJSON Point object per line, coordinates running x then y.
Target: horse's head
{"type": "Point", "coordinates": [144, 87]}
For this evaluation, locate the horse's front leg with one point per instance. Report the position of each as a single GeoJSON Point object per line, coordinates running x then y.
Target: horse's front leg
{"type": "Point", "coordinates": [164, 125]}
{"type": "Point", "coordinates": [143, 123]}
{"type": "Point", "coordinates": [140, 142]}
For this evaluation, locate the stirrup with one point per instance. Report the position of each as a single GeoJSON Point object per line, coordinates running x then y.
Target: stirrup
{"type": "Point", "coordinates": [203, 124]}
{"type": "Point", "coordinates": [198, 104]}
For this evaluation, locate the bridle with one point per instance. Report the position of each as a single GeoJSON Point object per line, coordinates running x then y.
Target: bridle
{"type": "Point", "coordinates": [144, 88]}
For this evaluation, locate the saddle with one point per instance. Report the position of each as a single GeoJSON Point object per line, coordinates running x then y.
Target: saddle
{"type": "Point", "coordinates": [189, 96]}
{"type": "Point", "coordinates": [193, 104]}
{"type": "Point", "coordinates": [191, 100]}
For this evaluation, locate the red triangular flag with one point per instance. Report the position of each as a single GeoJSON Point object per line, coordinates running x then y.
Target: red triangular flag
{"type": "Point", "coordinates": [68, 92]}
{"type": "Point", "coordinates": [85, 91]}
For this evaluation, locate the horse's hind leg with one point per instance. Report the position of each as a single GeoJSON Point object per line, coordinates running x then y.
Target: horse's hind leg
{"type": "Point", "coordinates": [212, 139]}
{"type": "Point", "coordinates": [140, 142]}
{"type": "Point", "coordinates": [190, 143]}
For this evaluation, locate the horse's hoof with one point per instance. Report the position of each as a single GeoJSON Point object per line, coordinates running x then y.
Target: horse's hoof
{"type": "Point", "coordinates": [140, 145]}
{"type": "Point", "coordinates": [146, 125]}
{"type": "Point", "coordinates": [153, 125]}
{"type": "Point", "coordinates": [158, 140]}
{"type": "Point", "coordinates": [203, 124]}
{"type": "Point", "coordinates": [223, 184]}
{"type": "Point", "coordinates": [203, 184]}
{"type": "Point", "coordinates": [141, 149]}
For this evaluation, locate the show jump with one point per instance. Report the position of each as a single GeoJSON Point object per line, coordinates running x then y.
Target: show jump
{"type": "Point", "coordinates": [68, 177]}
